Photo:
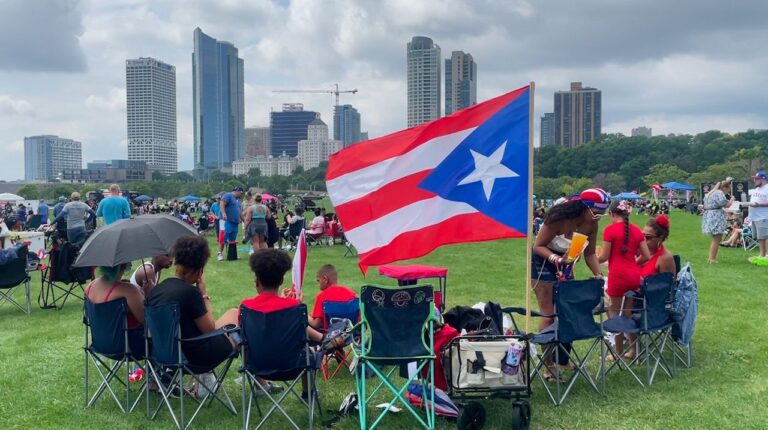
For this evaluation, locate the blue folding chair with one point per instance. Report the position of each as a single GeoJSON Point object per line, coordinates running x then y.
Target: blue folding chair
{"type": "Point", "coordinates": [13, 275]}
{"type": "Point", "coordinates": [110, 346]}
{"type": "Point", "coordinates": [652, 323]}
{"type": "Point", "coordinates": [275, 347]}
{"type": "Point", "coordinates": [396, 329]}
{"type": "Point", "coordinates": [338, 311]}
{"type": "Point", "coordinates": [163, 333]}
{"type": "Point", "coordinates": [573, 321]}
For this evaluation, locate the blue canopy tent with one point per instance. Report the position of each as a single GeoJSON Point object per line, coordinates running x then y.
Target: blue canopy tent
{"type": "Point", "coordinates": [143, 198]}
{"type": "Point", "coordinates": [189, 198]}
{"type": "Point", "coordinates": [626, 196]}
{"type": "Point", "coordinates": [677, 186]}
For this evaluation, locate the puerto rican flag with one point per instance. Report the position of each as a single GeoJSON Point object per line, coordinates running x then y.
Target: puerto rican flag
{"type": "Point", "coordinates": [462, 178]}
{"type": "Point", "coordinates": [299, 264]}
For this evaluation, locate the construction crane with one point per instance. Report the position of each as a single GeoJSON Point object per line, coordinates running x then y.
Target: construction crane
{"type": "Point", "coordinates": [334, 91]}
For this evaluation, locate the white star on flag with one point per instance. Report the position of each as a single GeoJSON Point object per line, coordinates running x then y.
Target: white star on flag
{"type": "Point", "coordinates": [488, 169]}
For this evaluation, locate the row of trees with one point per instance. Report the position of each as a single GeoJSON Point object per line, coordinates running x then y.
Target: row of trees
{"type": "Point", "coordinates": [618, 163]}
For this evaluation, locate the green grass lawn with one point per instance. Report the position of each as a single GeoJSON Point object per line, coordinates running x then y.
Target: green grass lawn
{"type": "Point", "coordinates": [41, 358]}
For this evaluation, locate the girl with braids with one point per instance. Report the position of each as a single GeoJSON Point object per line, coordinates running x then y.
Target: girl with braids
{"type": "Point", "coordinates": [580, 214]}
{"type": "Point", "coordinates": [624, 248]}
{"type": "Point", "coordinates": [662, 261]}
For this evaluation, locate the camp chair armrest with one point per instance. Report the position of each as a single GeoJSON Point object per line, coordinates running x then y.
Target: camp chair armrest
{"type": "Point", "coordinates": [217, 332]}
{"type": "Point", "coordinates": [521, 311]}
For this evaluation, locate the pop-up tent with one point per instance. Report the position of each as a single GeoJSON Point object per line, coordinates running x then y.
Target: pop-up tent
{"type": "Point", "coordinates": [189, 198]}
{"type": "Point", "coordinates": [677, 186]}
{"type": "Point", "coordinates": [10, 198]}
{"type": "Point", "coordinates": [626, 196]}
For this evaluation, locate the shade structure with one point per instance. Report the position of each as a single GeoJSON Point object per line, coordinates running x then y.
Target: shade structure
{"type": "Point", "coordinates": [677, 186]}
{"type": "Point", "coordinates": [132, 239]}
{"type": "Point", "coordinates": [626, 196]}
{"type": "Point", "coordinates": [8, 197]}
{"type": "Point", "coordinates": [266, 197]}
{"type": "Point", "coordinates": [189, 198]}
{"type": "Point", "coordinates": [143, 198]}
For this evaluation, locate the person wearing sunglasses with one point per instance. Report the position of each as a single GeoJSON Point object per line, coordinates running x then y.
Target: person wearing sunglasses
{"type": "Point", "coordinates": [579, 214]}
{"type": "Point", "coordinates": [662, 261]}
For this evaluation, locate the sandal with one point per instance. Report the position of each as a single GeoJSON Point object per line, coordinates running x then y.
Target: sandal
{"type": "Point", "coordinates": [548, 375]}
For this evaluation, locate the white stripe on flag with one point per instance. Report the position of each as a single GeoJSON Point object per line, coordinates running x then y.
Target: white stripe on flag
{"type": "Point", "coordinates": [299, 262]}
{"type": "Point", "coordinates": [428, 155]}
{"type": "Point", "coordinates": [415, 216]}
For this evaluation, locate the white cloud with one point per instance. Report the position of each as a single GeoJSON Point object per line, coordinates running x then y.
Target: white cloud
{"type": "Point", "coordinates": [115, 101]}
{"type": "Point", "coordinates": [11, 106]}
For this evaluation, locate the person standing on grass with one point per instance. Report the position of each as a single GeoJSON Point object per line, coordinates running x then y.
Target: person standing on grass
{"type": "Point", "coordinates": [622, 242]}
{"type": "Point", "coordinates": [577, 215]}
{"type": "Point", "coordinates": [75, 212]}
{"type": "Point", "coordinates": [713, 223]}
{"type": "Point", "coordinates": [42, 210]}
{"type": "Point", "coordinates": [758, 213]}
{"type": "Point", "coordinates": [113, 208]}
{"type": "Point", "coordinates": [256, 223]}
{"type": "Point", "coordinates": [231, 215]}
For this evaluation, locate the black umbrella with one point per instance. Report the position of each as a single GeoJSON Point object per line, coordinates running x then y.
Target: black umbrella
{"type": "Point", "coordinates": [132, 239]}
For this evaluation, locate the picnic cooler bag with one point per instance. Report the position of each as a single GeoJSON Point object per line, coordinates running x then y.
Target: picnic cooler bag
{"type": "Point", "coordinates": [484, 364]}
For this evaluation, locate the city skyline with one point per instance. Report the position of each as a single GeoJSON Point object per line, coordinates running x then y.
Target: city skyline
{"type": "Point", "coordinates": [702, 77]}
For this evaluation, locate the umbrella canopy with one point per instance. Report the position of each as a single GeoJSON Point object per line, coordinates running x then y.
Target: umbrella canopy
{"type": "Point", "coordinates": [143, 198]}
{"type": "Point", "coordinates": [189, 198]}
{"type": "Point", "coordinates": [268, 197]}
{"type": "Point", "coordinates": [8, 197]}
{"type": "Point", "coordinates": [626, 196]}
{"type": "Point", "coordinates": [677, 186]}
{"type": "Point", "coordinates": [132, 239]}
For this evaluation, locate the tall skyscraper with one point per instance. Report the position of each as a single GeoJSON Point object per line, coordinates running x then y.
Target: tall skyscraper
{"type": "Point", "coordinates": [151, 98]}
{"type": "Point", "coordinates": [577, 115]}
{"type": "Point", "coordinates": [218, 93]}
{"type": "Point", "coordinates": [45, 157]}
{"type": "Point", "coordinates": [288, 127]}
{"type": "Point", "coordinates": [346, 125]}
{"type": "Point", "coordinates": [642, 131]}
{"type": "Point", "coordinates": [460, 82]}
{"type": "Point", "coordinates": [257, 142]}
{"type": "Point", "coordinates": [423, 64]}
{"type": "Point", "coordinates": [317, 147]}
{"type": "Point", "coordinates": [547, 130]}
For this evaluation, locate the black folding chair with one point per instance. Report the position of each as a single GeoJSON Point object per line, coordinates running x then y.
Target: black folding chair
{"type": "Point", "coordinates": [59, 279]}
{"type": "Point", "coordinates": [294, 232]}
{"type": "Point", "coordinates": [109, 348]}
{"type": "Point", "coordinates": [573, 321]}
{"type": "Point", "coordinates": [167, 364]}
{"type": "Point", "coordinates": [275, 348]}
{"type": "Point", "coordinates": [13, 275]}
{"type": "Point", "coordinates": [34, 222]}
{"type": "Point", "coordinates": [651, 323]}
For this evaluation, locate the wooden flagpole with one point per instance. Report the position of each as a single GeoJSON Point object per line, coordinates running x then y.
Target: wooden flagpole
{"type": "Point", "coordinates": [529, 235]}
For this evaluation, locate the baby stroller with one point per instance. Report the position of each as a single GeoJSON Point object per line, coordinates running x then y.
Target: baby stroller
{"type": "Point", "coordinates": [488, 365]}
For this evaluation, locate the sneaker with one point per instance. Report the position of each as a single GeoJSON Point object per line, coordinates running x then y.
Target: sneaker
{"type": "Point", "coordinates": [219, 256]}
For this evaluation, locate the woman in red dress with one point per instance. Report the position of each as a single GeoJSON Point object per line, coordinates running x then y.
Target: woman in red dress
{"type": "Point", "coordinates": [662, 261]}
{"type": "Point", "coordinates": [622, 242]}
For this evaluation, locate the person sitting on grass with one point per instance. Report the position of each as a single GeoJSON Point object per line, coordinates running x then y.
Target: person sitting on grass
{"type": "Point", "coordinates": [110, 286]}
{"type": "Point", "coordinates": [330, 291]}
{"type": "Point", "coordinates": [269, 266]}
{"type": "Point", "coordinates": [188, 289]}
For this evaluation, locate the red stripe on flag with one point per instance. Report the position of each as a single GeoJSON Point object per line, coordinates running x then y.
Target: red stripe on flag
{"type": "Point", "coordinates": [384, 200]}
{"type": "Point", "coordinates": [418, 243]}
{"type": "Point", "coordinates": [382, 148]}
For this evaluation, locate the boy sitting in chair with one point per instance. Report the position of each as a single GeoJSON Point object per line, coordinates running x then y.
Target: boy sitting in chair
{"type": "Point", "coordinates": [327, 279]}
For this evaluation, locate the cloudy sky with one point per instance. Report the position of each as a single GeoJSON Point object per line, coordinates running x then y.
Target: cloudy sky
{"type": "Point", "coordinates": [683, 66]}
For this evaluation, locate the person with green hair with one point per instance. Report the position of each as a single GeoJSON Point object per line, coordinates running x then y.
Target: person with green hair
{"type": "Point", "coordinates": [110, 286]}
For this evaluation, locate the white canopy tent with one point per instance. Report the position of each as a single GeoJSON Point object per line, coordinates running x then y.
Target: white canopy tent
{"type": "Point", "coordinates": [11, 198]}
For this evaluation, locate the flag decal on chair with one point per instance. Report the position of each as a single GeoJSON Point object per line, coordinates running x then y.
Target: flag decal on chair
{"type": "Point", "coordinates": [462, 178]}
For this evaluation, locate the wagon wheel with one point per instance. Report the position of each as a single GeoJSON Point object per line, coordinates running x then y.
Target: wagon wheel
{"type": "Point", "coordinates": [471, 417]}
{"type": "Point", "coordinates": [521, 415]}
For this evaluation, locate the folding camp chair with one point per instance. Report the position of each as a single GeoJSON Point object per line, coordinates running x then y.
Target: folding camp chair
{"type": "Point", "coordinates": [652, 323]}
{"type": "Point", "coordinates": [167, 365]}
{"type": "Point", "coordinates": [573, 321]}
{"type": "Point", "coordinates": [108, 348]}
{"type": "Point", "coordinates": [396, 329]}
{"type": "Point", "coordinates": [748, 241]}
{"type": "Point", "coordinates": [59, 279]}
{"type": "Point", "coordinates": [335, 311]}
{"type": "Point", "coordinates": [34, 222]}
{"type": "Point", "coordinates": [294, 232]}
{"type": "Point", "coordinates": [275, 348]}
{"type": "Point", "coordinates": [13, 275]}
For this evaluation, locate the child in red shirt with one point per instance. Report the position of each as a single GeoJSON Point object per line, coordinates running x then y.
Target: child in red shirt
{"type": "Point", "coordinates": [624, 249]}
{"type": "Point", "coordinates": [327, 279]}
